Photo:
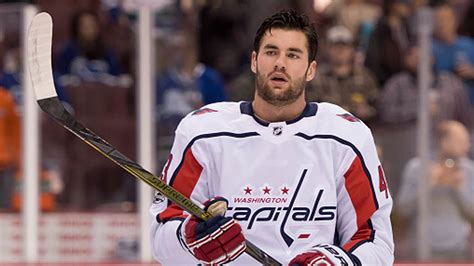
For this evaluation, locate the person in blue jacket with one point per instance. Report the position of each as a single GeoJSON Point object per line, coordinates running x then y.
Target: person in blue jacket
{"type": "Point", "coordinates": [186, 84]}
{"type": "Point", "coordinates": [86, 55]}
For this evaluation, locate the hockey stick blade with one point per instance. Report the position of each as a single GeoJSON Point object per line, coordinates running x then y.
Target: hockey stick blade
{"type": "Point", "coordinates": [39, 47]}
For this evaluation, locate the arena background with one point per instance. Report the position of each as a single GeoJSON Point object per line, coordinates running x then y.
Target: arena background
{"type": "Point", "coordinates": [65, 203]}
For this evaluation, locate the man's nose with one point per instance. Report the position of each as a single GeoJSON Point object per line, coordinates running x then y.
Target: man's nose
{"type": "Point", "coordinates": [280, 63]}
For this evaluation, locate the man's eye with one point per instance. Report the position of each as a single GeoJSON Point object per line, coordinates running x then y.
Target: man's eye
{"type": "Point", "coordinates": [293, 56]}
{"type": "Point", "coordinates": [270, 52]}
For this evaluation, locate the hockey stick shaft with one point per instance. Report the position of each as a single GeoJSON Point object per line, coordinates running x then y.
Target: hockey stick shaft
{"type": "Point", "coordinates": [39, 62]}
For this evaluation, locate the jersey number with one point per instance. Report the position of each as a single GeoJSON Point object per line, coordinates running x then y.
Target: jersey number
{"type": "Point", "coordinates": [382, 183]}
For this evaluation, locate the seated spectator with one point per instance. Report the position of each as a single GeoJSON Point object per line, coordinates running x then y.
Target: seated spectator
{"type": "Point", "coordinates": [450, 183]}
{"type": "Point", "coordinates": [399, 99]}
{"type": "Point", "coordinates": [398, 108]}
{"type": "Point", "coordinates": [341, 81]}
{"type": "Point", "coordinates": [9, 147]}
{"type": "Point", "coordinates": [452, 52]}
{"type": "Point", "coordinates": [353, 14]}
{"type": "Point", "coordinates": [186, 85]}
{"type": "Point", "coordinates": [51, 185]}
{"type": "Point", "coordinates": [85, 56]}
{"type": "Point", "coordinates": [389, 41]}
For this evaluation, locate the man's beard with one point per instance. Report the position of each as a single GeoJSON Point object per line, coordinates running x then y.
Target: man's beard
{"type": "Point", "coordinates": [290, 95]}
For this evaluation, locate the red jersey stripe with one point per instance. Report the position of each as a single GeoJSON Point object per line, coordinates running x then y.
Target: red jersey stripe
{"type": "Point", "coordinates": [188, 175]}
{"type": "Point", "coordinates": [358, 187]}
{"type": "Point", "coordinates": [184, 181]}
{"type": "Point", "coordinates": [171, 211]}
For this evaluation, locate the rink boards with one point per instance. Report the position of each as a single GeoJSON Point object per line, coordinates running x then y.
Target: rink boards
{"type": "Point", "coordinates": [74, 237]}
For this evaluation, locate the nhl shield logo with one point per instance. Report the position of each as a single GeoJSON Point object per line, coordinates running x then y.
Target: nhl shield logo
{"type": "Point", "coordinates": [277, 130]}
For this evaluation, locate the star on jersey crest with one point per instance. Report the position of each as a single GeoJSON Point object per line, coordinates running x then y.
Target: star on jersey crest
{"type": "Point", "coordinates": [248, 190]}
{"type": "Point", "coordinates": [284, 190]}
{"type": "Point", "coordinates": [266, 190]}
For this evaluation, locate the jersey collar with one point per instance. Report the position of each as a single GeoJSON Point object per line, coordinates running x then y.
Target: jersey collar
{"type": "Point", "coordinates": [309, 110]}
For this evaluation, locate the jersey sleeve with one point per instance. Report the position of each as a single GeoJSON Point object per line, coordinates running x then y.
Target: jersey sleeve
{"type": "Point", "coordinates": [185, 171]}
{"type": "Point", "coordinates": [364, 205]}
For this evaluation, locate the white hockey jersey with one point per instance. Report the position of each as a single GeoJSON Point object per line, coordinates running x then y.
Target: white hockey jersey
{"type": "Point", "coordinates": [291, 185]}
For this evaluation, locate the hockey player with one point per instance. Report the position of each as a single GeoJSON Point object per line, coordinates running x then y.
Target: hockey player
{"type": "Point", "coordinates": [301, 180]}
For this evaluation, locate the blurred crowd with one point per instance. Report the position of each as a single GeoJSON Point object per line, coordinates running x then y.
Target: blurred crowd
{"type": "Point", "coordinates": [367, 63]}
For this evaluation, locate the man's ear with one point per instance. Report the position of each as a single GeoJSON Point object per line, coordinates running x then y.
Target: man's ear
{"type": "Point", "coordinates": [311, 70]}
{"type": "Point", "coordinates": [253, 65]}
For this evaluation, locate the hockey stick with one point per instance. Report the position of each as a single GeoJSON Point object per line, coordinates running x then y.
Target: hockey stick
{"type": "Point", "coordinates": [40, 36]}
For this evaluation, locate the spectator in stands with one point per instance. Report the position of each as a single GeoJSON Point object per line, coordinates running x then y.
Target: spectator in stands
{"type": "Point", "coordinates": [86, 56]}
{"type": "Point", "coordinates": [354, 14]}
{"type": "Point", "coordinates": [450, 182]}
{"type": "Point", "coordinates": [186, 84]}
{"type": "Point", "coordinates": [9, 146]}
{"type": "Point", "coordinates": [398, 107]}
{"type": "Point", "coordinates": [399, 98]}
{"type": "Point", "coordinates": [341, 81]}
{"type": "Point", "coordinates": [452, 52]}
{"type": "Point", "coordinates": [50, 184]}
{"type": "Point", "coordinates": [389, 41]}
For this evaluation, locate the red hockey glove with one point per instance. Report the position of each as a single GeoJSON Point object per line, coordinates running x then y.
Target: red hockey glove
{"type": "Point", "coordinates": [217, 240]}
{"type": "Point", "coordinates": [323, 255]}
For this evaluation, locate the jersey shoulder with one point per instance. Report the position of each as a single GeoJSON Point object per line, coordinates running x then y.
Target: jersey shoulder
{"type": "Point", "coordinates": [333, 120]}
{"type": "Point", "coordinates": [215, 117]}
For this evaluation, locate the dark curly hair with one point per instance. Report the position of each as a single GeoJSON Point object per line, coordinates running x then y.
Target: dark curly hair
{"type": "Point", "coordinates": [289, 20]}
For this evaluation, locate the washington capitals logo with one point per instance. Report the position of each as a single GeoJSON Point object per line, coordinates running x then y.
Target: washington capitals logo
{"type": "Point", "coordinates": [349, 117]}
{"type": "Point", "coordinates": [203, 111]}
{"type": "Point", "coordinates": [280, 212]}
